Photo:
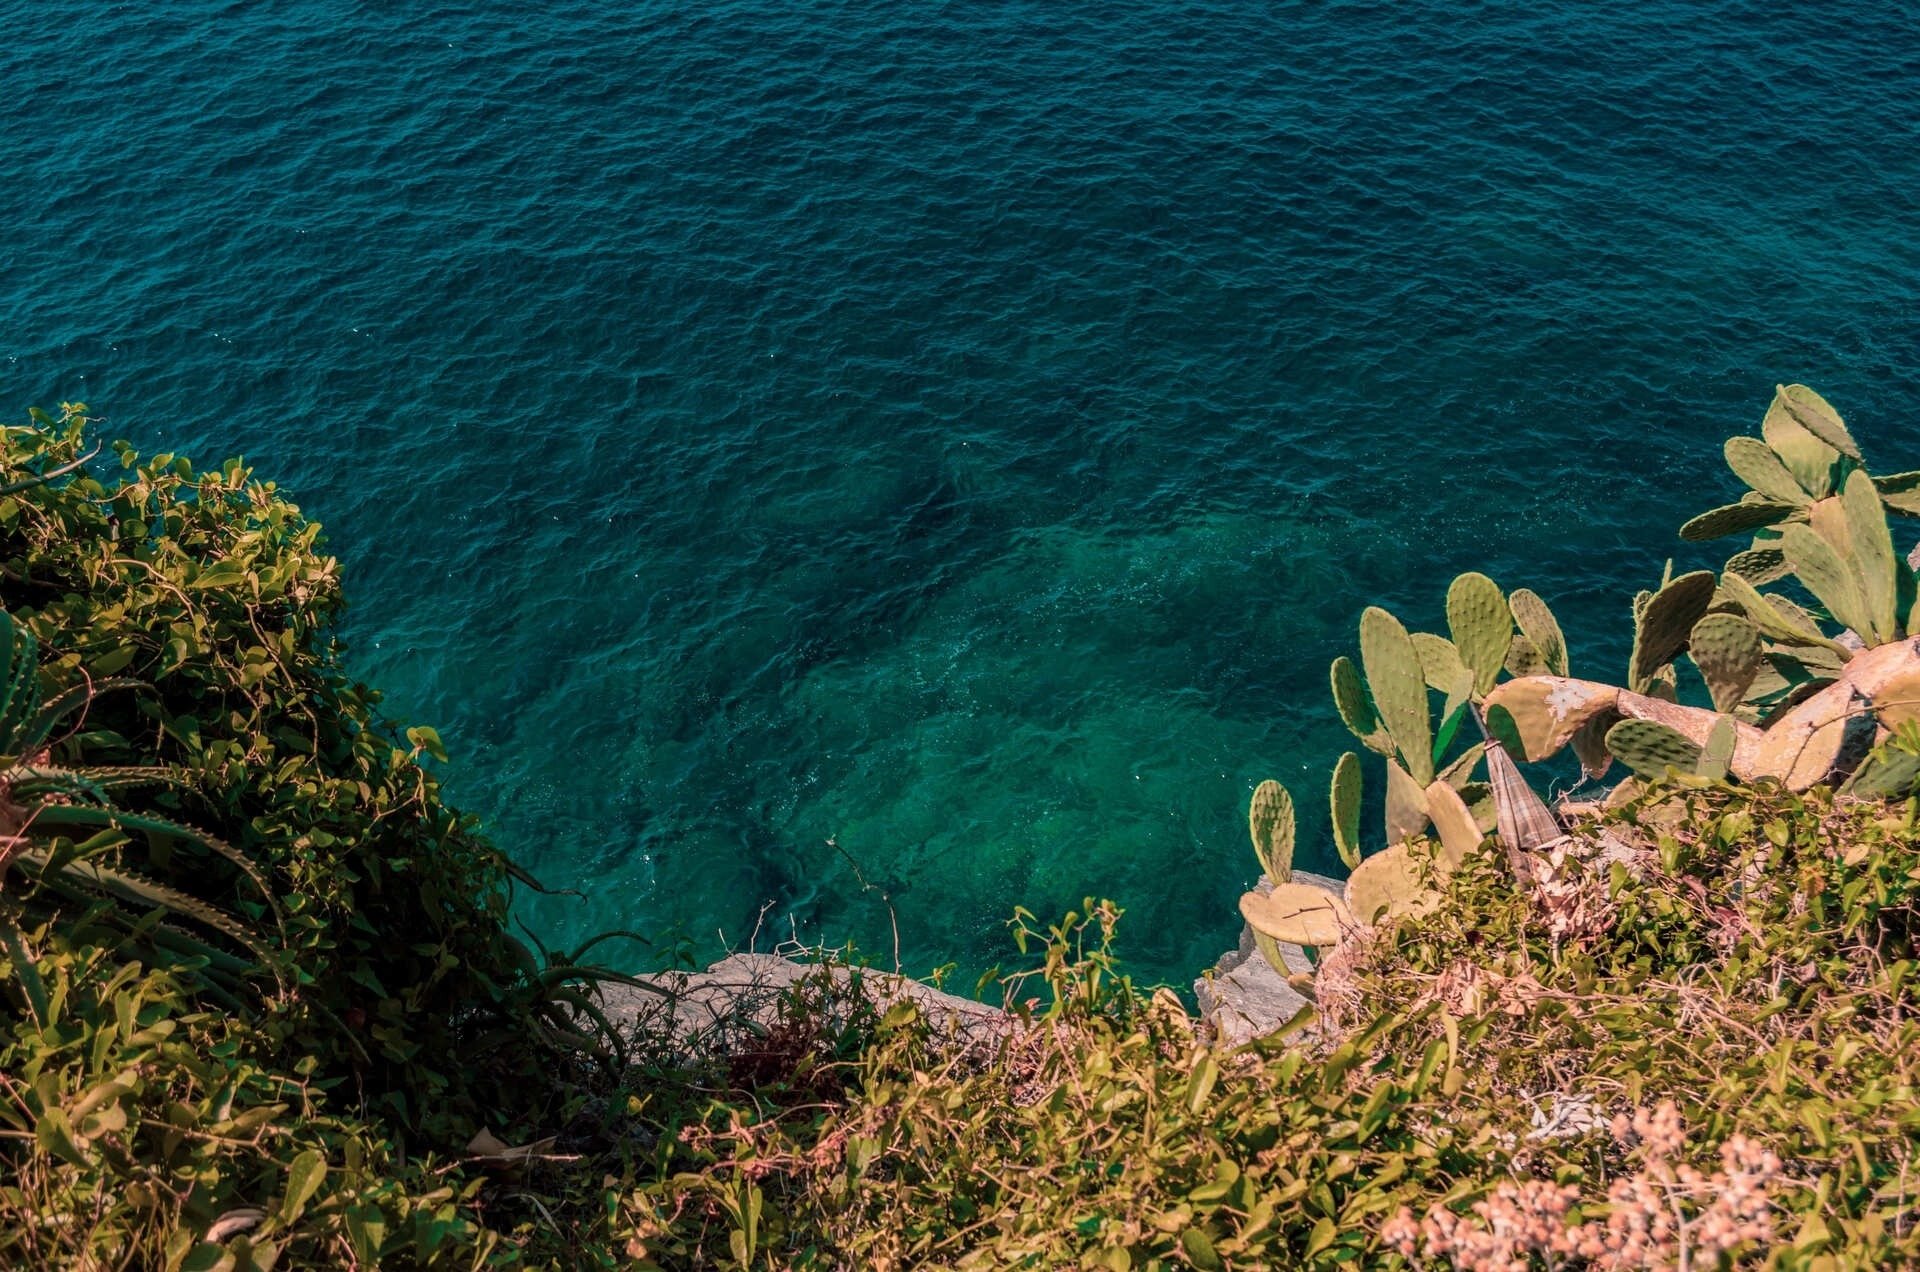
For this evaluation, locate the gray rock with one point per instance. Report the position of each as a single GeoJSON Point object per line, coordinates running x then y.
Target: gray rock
{"type": "Point", "coordinates": [741, 997]}
{"type": "Point", "coordinates": [1244, 997]}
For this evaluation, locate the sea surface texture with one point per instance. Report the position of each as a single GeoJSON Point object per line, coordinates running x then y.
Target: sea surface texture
{"type": "Point", "coordinates": [838, 469]}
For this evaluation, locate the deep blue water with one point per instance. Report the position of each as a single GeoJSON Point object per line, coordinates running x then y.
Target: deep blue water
{"type": "Point", "coordinates": [963, 432]}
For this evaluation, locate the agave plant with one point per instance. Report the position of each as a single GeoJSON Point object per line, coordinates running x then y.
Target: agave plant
{"type": "Point", "coordinates": [65, 845]}
{"type": "Point", "coordinates": [1800, 695]}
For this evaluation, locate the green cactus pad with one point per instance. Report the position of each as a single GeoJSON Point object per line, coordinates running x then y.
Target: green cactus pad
{"type": "Point", "coordinates": [1541, 629]}
{"type": "Point", "coordinates": [1650, 749]}
{"type": "Point", "coordinates": [1717, 523]}
{"type": "Point", "coordinates": [1356, 708]}
{"type": "Point", "coordinates": [1406, 804]}
{"type": "Point", "coordinates": [1459, 834]}
{"type": "Point", "coordinates": [1717, 755]}
{"type": "Point", "coordinates": [1663, 626]}
{"type": "Point", "coordinates": [1877, 570]}
{"type": "Point", "coordinates": [1271, 822]}
{"type": "Point", "coordinates": [1754, 462]}
{"type": "Point", "coordinates": [1727, 650]}
{"type": "Point", "coordinates": [1297, 914]}
{"type": "Point", "coordinates": [1399, 689]}
{"type": "Point", "coordinates": [1809, 459]}
{"type": "Point", "coordinates": [1887, 773]}
{"type": "Point", "coordinates": [1344, 799]}
{"type": "Point", "coordinates": [1459, 772]}
{"type": "Point", "coordinates": [1524, 660]}
{"type": "Point", "coordinates": [1898, 700]}
{"type": "Point", "coordinates": [1759, 566]}
{"type": "Point", "coordinates": [1822, 571]}
{"type": "Point", "coordinates": [1482, 627]}
{"type": "Point", "coordinates": [1900, 492]}
{"type": "Point", "coordinates": [1776, 617]}
{"type": "Point", "coordinates": [1389, 885]}
{"type": "Point", "coordinates": [1812, 413]}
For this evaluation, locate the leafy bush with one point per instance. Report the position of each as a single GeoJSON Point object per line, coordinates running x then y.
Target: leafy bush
{"type": "Point", "coordinates": [177, 1029]}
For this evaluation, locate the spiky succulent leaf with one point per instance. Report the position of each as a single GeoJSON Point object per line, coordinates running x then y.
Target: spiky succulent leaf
{"type": "Point", "coordinates": [1482, 627]}
{"type": "Point", "coordinates": [1650, 749]}
{"type": "Point", "coordinates": [1727, 650]}
{"type": "Point", "coordinates": [1459, 772]}
{"type": "Point", "coordinates": [1754, 462]}
{"type": "Point", "coordinates": [1541, 629]}
{"type": "Point", "coordinates": [1661, 630]}
{"type": "Point", "coordinates": [1344, 799]}
{"type": "Point", "coordinates": [1271, 823]}
{"type": "Point", "coordinates": [1399, 689]}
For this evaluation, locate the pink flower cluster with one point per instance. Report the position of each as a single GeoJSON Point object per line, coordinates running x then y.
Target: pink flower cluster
{"type": "Point", "coordinates": [1667, 1214]}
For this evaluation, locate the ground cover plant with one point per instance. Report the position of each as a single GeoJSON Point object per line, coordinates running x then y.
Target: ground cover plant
{"type": "Point", "coordinates": [260, 997]}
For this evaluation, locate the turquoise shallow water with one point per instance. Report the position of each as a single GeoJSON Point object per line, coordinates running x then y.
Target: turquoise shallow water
{"type": "Point", "coordinates": [960, 432]}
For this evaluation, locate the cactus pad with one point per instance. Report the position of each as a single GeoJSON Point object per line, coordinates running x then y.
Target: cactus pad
{"type": "Point", "coordinates": [1824, 573]}
{"type": "Point", "coordinates": [1547, 710]}
{"type": "Point", "coordinates": [1717, 755]}
{"type": "Point", "coordinates": [1877, 571]}
{"type": "Point", "coordinates": [1717, 523]}
{"type": "Point", "coordinates": [1459, 834]}
{"type": "Point", "coordinates": [1726, 648]}
{"type": "Point", "coordinates": [1356, 708]}
{"type": "Point", "coordinates": [1541, 629]}
{"type": "Point", "coordinates": [1271, 822]}
{"type": "Point", "coordinates": [1897, 702]}
{"type": "Point", "coordinates": [1754, 462]}
{"type": "Point", "coordinates": [1759, 565]}
{"type": "Point", "coordinates": [1344, 800]}
{"type": "Point", "coordinates": [1660, 631]}
{"type": "Point", "coordinates": [1900, 492]}
{"type": "Point", "coordinates": [1296, 913]}
{"type": "Point", "coordinates": [1406, 804]}
{"type": "Point", "coordinates": [1388, 885]}
{"type": "Point", "coordinates": [1399, 689]}
{"type": "Point", "coordinates": [1650, 749]}
{"type": "Point", "coordinates": [1812, 413]}
{"type": "Point", "coordinates": [1482, 627]}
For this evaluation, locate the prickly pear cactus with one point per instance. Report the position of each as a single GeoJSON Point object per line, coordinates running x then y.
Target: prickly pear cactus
{"type": "Point", "coordinates": [1541, 629]}
{"type": "Point", "coordinates": [1356, 707]}
{"type": "Point", "coordinates": [1344, 801]}
{"type": "Point", "coordinates": [1650, 749]}
{"type": "Point", "coordinates": [1399, 689]}
{"type": "Point", "coordinates": [1271, 823]}
{"type": "Point", "coordinates": [1482, 627]}
{"type": "Point", "coordinates": [1727, 650]}
{"type": "Point", "coordinates": [1297, 913]}
{"type": "Point", "coordinates": [1662, 625]}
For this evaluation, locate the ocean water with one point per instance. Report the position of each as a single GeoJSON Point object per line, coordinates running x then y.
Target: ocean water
{"type": "Point", "coordinates": [839, 468]}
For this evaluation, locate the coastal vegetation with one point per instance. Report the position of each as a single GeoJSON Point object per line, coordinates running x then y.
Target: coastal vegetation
{"type": "Point", "coordinates": [261, 1004]}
